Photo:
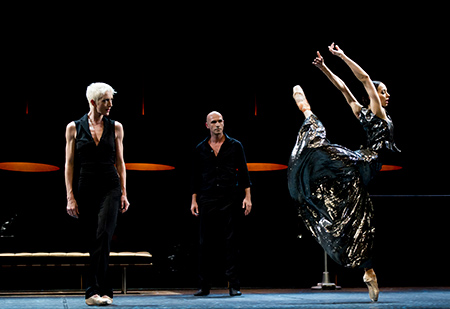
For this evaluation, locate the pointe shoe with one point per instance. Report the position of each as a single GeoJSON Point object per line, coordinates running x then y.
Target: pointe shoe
{"type": "Point", "coordinates": [372, 284]}
{"type": "Point", "coordinates": [298, 89]}
{"type": "Point", "coordinates": [107, 299]}
{"type": "Point", "coordinates": [300, 99]}
{"type": "Point", "coordinates": [95, 300]}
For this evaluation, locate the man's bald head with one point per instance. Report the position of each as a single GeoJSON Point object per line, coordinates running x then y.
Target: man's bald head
{"type": "Point", "coordinates": [211, 114]}
{"type": "Point", "coordinates": [215, 123]}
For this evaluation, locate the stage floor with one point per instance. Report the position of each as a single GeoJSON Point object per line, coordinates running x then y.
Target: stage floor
{"type": "Point", "coordinates": [251, 298]}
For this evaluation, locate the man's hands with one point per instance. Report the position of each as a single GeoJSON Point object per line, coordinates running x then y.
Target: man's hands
{"type": "Point", "coordinates": [247, 205]}
{"type": "Point", "coordinates": [194, 209]}
{"type": "Point", "coordinates": [194, 205]}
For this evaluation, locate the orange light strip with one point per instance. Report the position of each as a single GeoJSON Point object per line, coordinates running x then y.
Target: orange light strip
{"type": "Point", "coordinates": [27, 167]}
{"type": "Point", "coordinates": [264, 167]}
{"type": "Point", "coordinates": [148, 167]}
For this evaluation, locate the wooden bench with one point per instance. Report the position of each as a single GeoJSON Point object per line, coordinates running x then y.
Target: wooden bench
{"type": "Point", "coordinates": [75, 259]}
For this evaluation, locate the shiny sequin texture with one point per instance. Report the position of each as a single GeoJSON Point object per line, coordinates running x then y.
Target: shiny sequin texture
{"type": "Point", "coordinates": [329, 182]}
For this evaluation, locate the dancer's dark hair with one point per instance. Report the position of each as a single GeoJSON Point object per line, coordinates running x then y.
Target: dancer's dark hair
{"type": "Point", "coordinates": [365, 100]}
{"type": "Point", "coordinates": [376, 83]}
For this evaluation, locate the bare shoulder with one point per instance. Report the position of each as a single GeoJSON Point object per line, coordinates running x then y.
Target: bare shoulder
{"type": "Point", "coordinates": [71, 125]}
{"type": "Point", "coordinates": [71, 130]}
{"type": "Point", "coordinates": [118, 125]}
{"type": "Point", "coordinates": [118, 128]}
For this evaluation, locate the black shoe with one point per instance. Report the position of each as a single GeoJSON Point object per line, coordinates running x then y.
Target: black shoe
{"type": "Point", "coordinates": [234, 292]}
{"type": "Point", "coordinates": [202, 292]}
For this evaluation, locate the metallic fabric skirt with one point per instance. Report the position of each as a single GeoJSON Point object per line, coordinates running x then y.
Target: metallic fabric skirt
{"type": "Point", "coordinates": [329, 183]}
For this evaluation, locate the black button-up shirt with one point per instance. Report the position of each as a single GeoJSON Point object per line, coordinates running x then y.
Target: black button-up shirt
{"type": "Point", "coordinates": [222, 174]}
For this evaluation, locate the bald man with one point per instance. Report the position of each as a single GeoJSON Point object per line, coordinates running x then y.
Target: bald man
{"type": "Point", "coordinates": [220, 196]}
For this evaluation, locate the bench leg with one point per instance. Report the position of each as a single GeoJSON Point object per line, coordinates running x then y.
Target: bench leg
{"type": "Point", "coordinates": [124, 280]}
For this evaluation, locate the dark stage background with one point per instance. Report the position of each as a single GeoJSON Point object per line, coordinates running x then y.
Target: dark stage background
{"type": "Point", "coordinates": [182, 74]}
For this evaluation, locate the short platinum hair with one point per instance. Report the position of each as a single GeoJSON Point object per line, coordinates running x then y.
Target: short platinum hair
{"type": "Point", "coordinates": [96, 90]}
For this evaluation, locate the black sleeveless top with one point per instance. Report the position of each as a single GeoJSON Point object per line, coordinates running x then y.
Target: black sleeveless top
{"type": "Point", "coordinates": [380, 133]}
{"type": "Point", "coordinates": [96, 160]}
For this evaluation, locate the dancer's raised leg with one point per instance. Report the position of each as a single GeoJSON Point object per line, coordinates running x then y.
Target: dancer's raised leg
{"type": "Point", "coordinates": [302, 102]}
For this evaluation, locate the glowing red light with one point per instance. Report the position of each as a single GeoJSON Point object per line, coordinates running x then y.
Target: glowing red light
{"type": "Point", "coordinates": [386, 168]}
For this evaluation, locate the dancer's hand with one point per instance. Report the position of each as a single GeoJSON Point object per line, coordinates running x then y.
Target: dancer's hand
{"type": "Point", "coordinates": [72, 208]}
{"type": "Point", "coordinates": [194, 208]}
{"type": "Point", "coordinates": [247, 205]}
{"type": "Point", "coordinates": [319, 62]}
{"type": "Point", "coordinates": [124, 204]}
{"type": "Point", "coordinates": [335, 50]}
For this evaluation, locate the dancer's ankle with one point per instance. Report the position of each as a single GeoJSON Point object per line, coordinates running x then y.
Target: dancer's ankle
{"type": "Point", "coordinates": [307, 113]}
{"type": "Point", "coordinates": [370, 272]}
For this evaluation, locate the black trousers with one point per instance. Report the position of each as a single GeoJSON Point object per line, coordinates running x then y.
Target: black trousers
{"type": "Point", "coordinates": [219, 232]}
{"type": "Point", "coordinates": [99, 207]}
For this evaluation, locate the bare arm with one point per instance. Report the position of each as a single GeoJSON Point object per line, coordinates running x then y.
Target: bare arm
{"type": "Point", "coordinates": [194, 205]}
{"type": "Point", "coordinates": [351, 100]}
{"type": "Point", "coordinates": [247, 202]}
{"type": "Point", "coordinates": [120, 165]}
{"type": "Point", "coordinates": [362, 76]}
{"type": "Point", "coordinates": [72, 206]}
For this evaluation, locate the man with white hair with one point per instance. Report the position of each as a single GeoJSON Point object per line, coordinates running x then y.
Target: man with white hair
{"type": "Point", "coordinates": [220, 196]}
{"type": "Point", "coordinates": [96, 143]}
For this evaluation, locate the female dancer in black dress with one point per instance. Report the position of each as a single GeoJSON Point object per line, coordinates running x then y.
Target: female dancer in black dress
{"type": "Point", "coordinates": [94, 142]}
{"type": "Point", "coordinates": [329, 181]}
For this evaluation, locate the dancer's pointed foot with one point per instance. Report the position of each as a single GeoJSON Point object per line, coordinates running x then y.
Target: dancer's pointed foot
{"type": "Point", "coordinates": [108, 300]}
{"type": "Point", "coordinates": [372, 284]}
{"type": "Point", "coordinates": [302, 102]}
{"type": "Point", "coordinates": [96, 300]}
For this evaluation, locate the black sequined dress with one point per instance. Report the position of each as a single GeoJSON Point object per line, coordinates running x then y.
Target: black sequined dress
{"type": "Point", "coordinates": [329, 182]}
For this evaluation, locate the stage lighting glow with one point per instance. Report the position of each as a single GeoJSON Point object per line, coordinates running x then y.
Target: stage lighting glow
{"type": "Point", "coordinates": [264, 167]}
{"type": "Point", "coordinates": [28, 167]}
{"type": "Point", "coordinates": [148, 167]}
{"type": "Point", "coordinates": [386, 168]}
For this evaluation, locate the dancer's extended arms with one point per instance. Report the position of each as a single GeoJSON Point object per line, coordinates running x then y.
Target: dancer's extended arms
{"type": "Point", "coordinates": [351, 100]}
{"type": "Point", "coordinates": [375, 103]}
